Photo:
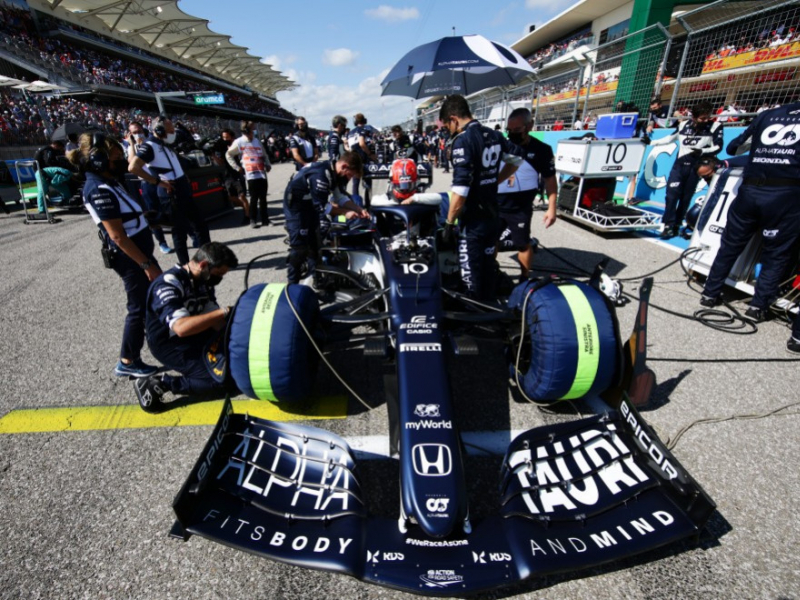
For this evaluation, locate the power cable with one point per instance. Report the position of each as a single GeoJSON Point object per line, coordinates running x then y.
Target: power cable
{"type": "Point", "coordinates": [673, 441]}
{"type": "Point", "coordinates": [319, 351]}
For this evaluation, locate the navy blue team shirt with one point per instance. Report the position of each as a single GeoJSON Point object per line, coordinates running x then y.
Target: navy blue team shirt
{"type": "Point", "coordinates": [172, 296]}
{"type": "Point", "coordinates": [476, 156]}
{"type": "Point", "coordinates": [775, 149]}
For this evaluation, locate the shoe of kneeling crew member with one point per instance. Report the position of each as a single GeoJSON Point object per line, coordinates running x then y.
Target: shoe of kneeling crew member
{"type": "Point", "coordinates": [136, 368]}
{"type": "Point", "coordinates": [150, 393]}
{"type": "Point", "coordinates": [710, 302]}
{"type": "Point", "coordinates": [755, 315]}
{"type": "Point", "coordinates": [793, 346]}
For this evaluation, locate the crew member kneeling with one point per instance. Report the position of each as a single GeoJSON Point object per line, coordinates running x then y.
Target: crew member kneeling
{"type": "Point", "coordinates": [305, 202]}
{"type": "Point", "coordinates": [183, 319]}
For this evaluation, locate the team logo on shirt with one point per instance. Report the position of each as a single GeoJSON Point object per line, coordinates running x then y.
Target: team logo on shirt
{"type": "Point", "coordinates": [781, 135]}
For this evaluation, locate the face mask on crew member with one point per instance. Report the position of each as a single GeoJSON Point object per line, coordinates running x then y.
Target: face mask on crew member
{"type": "Point", "coordinates": [170, 138]}
{"type": "Point", "coordinates": [209, 279]}
{"type": "Point", "coordinates": [516, 137]}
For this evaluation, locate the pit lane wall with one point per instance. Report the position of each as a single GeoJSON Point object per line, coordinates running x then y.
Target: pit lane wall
{"type": "Point", "coordinates": [651, 181]}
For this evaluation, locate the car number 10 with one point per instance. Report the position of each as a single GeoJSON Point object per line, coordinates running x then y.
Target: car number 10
{"type": "Point", "coordinates": [414, 268]}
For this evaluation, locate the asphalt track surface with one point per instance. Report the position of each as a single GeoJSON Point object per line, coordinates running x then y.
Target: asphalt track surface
{"type": "Point", "coordinates": [86, 493]}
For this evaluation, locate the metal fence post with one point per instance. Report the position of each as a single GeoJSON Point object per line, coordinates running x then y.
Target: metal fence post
{"type": "Point", "coordinates": [682, 66]}
{"type": "Point", "coordinates": [588, 87]}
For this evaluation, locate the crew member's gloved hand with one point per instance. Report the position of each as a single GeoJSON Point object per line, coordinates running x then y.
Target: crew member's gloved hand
{"type": "Point", "coordinates": [448, 234]}
{"type": "Point", "coordinates": [645, 139]}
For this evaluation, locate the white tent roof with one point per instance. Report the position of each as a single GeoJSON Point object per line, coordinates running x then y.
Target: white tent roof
{"type": "Point", "coordinates": [161, 27]}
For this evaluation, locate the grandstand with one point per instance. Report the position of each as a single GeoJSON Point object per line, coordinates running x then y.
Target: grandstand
{"type": "Point", "coordinates": [108, 60]}
{"type": "Point", "coordinates": [740, 55]}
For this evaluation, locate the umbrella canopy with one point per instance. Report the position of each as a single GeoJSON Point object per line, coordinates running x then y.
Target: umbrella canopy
{"type": "Point", "coordinates": [455, 65]}
{"type": "Point", "coordinates": [39, 86]}
{"type": "Point", "coordinates": [6, 81]}
{"type": "Point", "coordinates": [62, 132]}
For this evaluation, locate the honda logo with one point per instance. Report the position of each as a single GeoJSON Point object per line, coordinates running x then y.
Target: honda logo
{"type": "Point", "coordinates": [432, 460]}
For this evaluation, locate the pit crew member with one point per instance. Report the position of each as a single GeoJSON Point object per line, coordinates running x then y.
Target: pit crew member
{"type": "Point", "coordinates": [158, 165]}
{"type": "Point", "coordinates": [517, 194]}
{"type": "Point", "coordinates": [335, 141]}
{"type": "Point", "coordinates": [767, 203]}
{"type": "Point", "coordinates": [128, 244]}
{"type": "Point", "coordinates": [183, 319]}
{"type": "Point", "coordinates": [302, 146]}
{"type": "Point", "coordinates": [360, 141]}
{"type": "Point", "coordinates": [134, 138]}
{"type": "Point", "coordinates": [658, 116]}
{"type": "Point", "coordinates": [233, 181]}
{"type": "Point", "coordinates": [403, 147]}
{"type": "Point", "coordinates": [315, 191]}
{"type": "Point", "coordinates": [697, 137]}
{"type": "Point", "coordinates": [476, 155]}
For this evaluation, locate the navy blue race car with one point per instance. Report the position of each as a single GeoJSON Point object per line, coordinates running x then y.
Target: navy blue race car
{"type": "Point", "coordinates": [571, 496]}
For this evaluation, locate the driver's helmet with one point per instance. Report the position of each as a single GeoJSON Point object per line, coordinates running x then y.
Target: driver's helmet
{"type": "Point", "coordinates": [404, 178]}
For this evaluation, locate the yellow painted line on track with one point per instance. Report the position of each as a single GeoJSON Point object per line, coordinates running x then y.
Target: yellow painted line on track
{"type": "Point", "coordinates": [130, 416]}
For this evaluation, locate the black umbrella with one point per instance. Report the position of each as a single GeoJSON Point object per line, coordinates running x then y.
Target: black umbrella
{"type": "Point", "coordinates": [455, 65]}
{"type": "Point", "coordinates": [66, 130]}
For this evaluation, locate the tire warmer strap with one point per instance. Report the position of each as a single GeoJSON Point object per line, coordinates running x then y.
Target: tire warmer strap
{"type": "Point", "coordinates": [587, 339]}
{"type": "Point", "coordinates": [260, 338]}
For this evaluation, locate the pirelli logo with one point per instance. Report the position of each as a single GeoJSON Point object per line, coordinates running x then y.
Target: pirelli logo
{"type": "Point", "coordinates": [420, 347]}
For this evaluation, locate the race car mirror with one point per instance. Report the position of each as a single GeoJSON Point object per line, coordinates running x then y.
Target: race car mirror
{"type": "Point", "coordinates": [573, 496]}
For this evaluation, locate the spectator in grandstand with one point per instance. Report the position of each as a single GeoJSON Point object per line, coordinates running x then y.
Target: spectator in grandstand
{"type": "Point", "coordinates": [476, 154]}
{"type": "Point", "coordinates": [697, 137]}
{"type": "Point", "coordinates": [254, 166]}
{"type": "Point", "coordinates": [128, 245]}
{"type": "Point", "coordinates": [318, 191]}
{"type": "Point", "coordinates": [302, 145]}
{"type": "Point", "coordinates": [184, 323]}
{"type": "Point", "coordinates": [233, 180]}
{"type": "Point", "coordinates": [360, 141]}
{"type": "Point", "coordinates": [516, 196]}
{"type": "Point", "coordinates": [135, 137]}
{"type": "Point", "coordinates": [766, 203]}
{"type": "Point", "coordinates": [157, 164]}
{"type": "Point", "coordinates": [335, 143]}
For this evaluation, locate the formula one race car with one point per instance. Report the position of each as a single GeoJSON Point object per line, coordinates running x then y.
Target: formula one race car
{"type": "Point", "coordinates": [572, 495]}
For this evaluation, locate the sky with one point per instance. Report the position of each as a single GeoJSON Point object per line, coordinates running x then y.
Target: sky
{"type": "Point", "coordinates": [339, 52]}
